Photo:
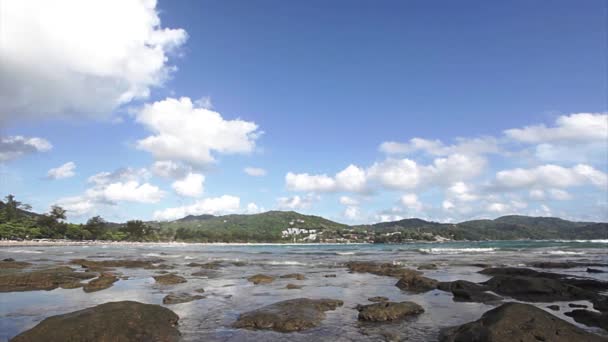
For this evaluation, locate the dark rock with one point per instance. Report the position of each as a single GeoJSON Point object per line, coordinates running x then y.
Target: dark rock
{"type": "Point", "coordinates": [581, 282]}
{"type": "Point", "coordinates": [577, 306]}
{"type": "Point", "coordinates": [553, 307]}
{"type": "Point", "coordinates": [297, 276]}
{"type": "Point", "coordinates": [416, 283]}
{"type": "Point", "coordinates": [206, 273]}
{"type": "Point", "coordinates": [594, 270]}
{"type": "Point", "coordinates": [293, 287]}
{"type": "Point", "coordinates": [261, 279]}
{"type": "Point", "coordinates": [385, 269]}
{"type": "Point", "coordinates": [105, 264]}
{"type": "Point", "coordinates": [466, 291]}
{"type": "Point", "coordinates": [378, 299]}
{"type": "Point", "coordinates": [330, 276]}
{"type": "Point", "coordinates": [566, 264]}
{"type": "Point", "coordinates": [289, 315]}
{"type": "Point", "coordinates": [532, 289]}
{"type": "Point", "coordinates": [518, 322]}
{"type": "Point", "coordinates": [178, 298]}
{"type": "Point", "coordinates": [47, 279]}
{"type": "Point", "coordinates": [388, 311]}
{"type": "Point", "coordinates": [201, 290]}
{"type": "Point", "coordinates": [115, 321]}
{"type": "Point", "coordinates": [427, 267]}
{"type": "Point", "coordinates": [10, 263]}
{"type": "Point", "coordinates": [169, 279]}
{"type": "Point", "coordinates": [600, 303]}
{"type": "Point", "coordinates": [590, 318]}
{"type": "Point", "coordinates": [102, 282]}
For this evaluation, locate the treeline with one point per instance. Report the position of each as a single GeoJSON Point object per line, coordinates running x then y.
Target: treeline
{"type": "Point", "coordinates": [17, 223]}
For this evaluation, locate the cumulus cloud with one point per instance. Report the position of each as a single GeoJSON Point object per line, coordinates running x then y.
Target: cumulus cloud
{"type": "Point", "coordinates": [345, 200]}
{"type": "Point", "coordinates": [255, 171]}
{"type": "Point", "coordinates": [13, 147]}
{"type": "Point", "coordinates": [552, 176]}
{"type": "Point", "coordinates": [64, 171]}
{"type": "Point", "coordinates": [352, 178]}
{"type": "Point", "coordinates": [483, 145]}
{"type": "Point", "coordinates": [222, 205]}
{"type": "Point", "coordinates": [296, 202]}
{"type": "Point", "coordinates": [352, 213]}
{"type": "Point", "coordinates": [190, 186]}
{"type": "Point", "coordinates": [191, 134]}
{"type": "Point", "coordinates": [581, 127]}
{"type": "Point", "coordinates": [169, 169]}
{"type": "Point", "coordinates": [75, 58]}
{"type": "Point", "coordinates": [410, 201]}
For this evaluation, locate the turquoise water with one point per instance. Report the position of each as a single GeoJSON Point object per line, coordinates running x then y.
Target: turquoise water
{"type": "Point", "coordinates": [229, 293]}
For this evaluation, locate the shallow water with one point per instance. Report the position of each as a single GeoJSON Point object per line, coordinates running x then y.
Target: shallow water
{"type": "Point", "coordinates": [229, 293]}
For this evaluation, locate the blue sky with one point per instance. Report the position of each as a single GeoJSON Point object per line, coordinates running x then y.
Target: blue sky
{"type": "Point", "coordinates": [505, 102]}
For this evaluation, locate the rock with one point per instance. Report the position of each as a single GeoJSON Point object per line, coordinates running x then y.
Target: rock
{"type": "Point", "coordinates": [105, 264]}
{"type": "Point", "coordinates": [553, 307]}
{"type": "Point", "coordinates": [47, 279]}
{"type": "Point", "coordinates": [102, 282]}
{"type": "Point", "coordinates": [178, 298]}
{"type": "Point", "coordinates": [201, 290]}
{"type": "Point", "coordinates": [589, 284]}
{"type": "Point", "coordinates": [10, 263]}
{"type": "Point", "coordinates": [206, 273]}
{"type": "Point", "coordinates": [388, 311]}
{"type": "Point", "coordinates": [531, 289]}
{"type": "Point", "coordinates": [239, 263]}
{"type": "Point", "coordinates": [289, 315]}
{"type": "Point", "coordinates": [590, 318]}
{"type": "Point", "coordinates": [466, 291]}
{"type": "Point", "coordinates": [427, 267]}
{"type": "Point", "coordinates": [567, 264]}
{"type": "Point", "coordinates": [260, 279]}
{"type": "Point", "coordinates": [385, 269]}
{"type": "Point", "coordinates": [169, 279]}
{"type": "Point", "coordinates": [416, 283]}
{"type": "Point", "coordinates": [518, 322]}
{"type": "Point", "coordinates": [577, 306]}
{"type": "Point", "coordinates": [600, 303]}
{"type": "Point", "coordinates": [115, 321]}
{"type": "Point", "coordinates": [594, 270]}
{"type": "Point", "coordinates": [293, 287]}
{"type": "Point", "coordinates": [297, 276]}
{"type": "Point", "coordinates": [378, 299]}
{"type": "Point", "coordinates": [330, 276]}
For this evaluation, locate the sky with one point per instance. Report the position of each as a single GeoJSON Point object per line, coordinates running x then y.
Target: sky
{"type": "Point", "coordinates": [357, 111]}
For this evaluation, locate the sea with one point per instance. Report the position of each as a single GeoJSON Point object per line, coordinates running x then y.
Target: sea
{"type": "Point", "coordinates": [229, 293]}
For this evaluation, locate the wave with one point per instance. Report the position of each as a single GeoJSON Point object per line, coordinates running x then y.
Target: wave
{"type": "Point", "coordinates": [470, 250]}
{"type": "Point", "coordinates": [585, 241]}
{"type": "Point", "coordinates": [26, 251]}
{"type": "Point", "coordinates": [559, 252]}
{"type": "Point", "coordinates": [285, 262]}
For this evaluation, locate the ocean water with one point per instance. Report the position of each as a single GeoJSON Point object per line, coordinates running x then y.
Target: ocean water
{"type": "Point", "coordinates": [229, 293]}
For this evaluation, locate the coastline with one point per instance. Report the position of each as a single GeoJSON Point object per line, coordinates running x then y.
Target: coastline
{"type": "Point", "coordinates": [53, 243]}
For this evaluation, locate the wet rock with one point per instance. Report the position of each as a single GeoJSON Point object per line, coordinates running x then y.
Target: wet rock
{"type": "Point", "coordinates": [553, 307]}
{"type": "Point", "coordinates": [416, 283]}
{"type": "Point", "coordinates": [589, 284]}
{"type": "Point", "coordinates": [590, 318]}
{"type": "Point", "coordinates": [378, 299]}
{"type": "Point", "coordinates": [105, 264]}
{"type": "Point", "coordinates": [239, 263]}
{"type": "Point", "coordinates": [178, 298]}
{"type": "Point", "coordinates": [466, 291]}
{"type": "Point", "coordinates": [169, 279]}
{"type": "Point", "coordinates": [330, 276]}
{"type": "Point", "coordinates": [297, 276]}
{"type": "Point", "coordinates": [115, 321]}
{"type": "Point", "coordinates": [577, 306]}
{"type": "Point", "coordinates": [293, 287]}
{"type": "Point", "coordinates": [201, 290]}
{"type": "Point", "coordinates": [566, 264]}
{"type": "Point", "coordinates": [10, 263]}
{"type": "Point", "coordinates": [594, 270]}
{"type": "Point", "coordinates": [600, 303]}
{"type": "Point", "coordinates": [532, 289]}
{"type": "Point", "coordinates": [427, 267]}
{"type": "Point", "coordinates": [47, 279]}
{"type": "Point", "coordinates": [384, 269]}
{"type": "Point", "coordinates": [206, 273]}
{"type": "Point", "coordinates": [289, 315]}
{"type": "Point", "coordinates": [102, 282]}
{"type": "Point", "coordinates": [261, 279]}
{"type": "Point", "coordinates": [518, 322]}
{"type": "Point", "coordinates": [388, 311]}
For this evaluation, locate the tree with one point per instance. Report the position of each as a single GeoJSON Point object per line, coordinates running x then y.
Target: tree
{"type": "Point", "coordinates": [96, 226]}
{"type": "Point", "coordinates": [58, 213]}
{"type": "Point", "coordinates": [12, 207]}
{"type": "Point", "coordinates": [136, 229]}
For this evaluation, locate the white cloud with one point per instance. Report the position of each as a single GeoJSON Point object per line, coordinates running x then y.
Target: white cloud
{"type": "Point", "coordinates": [468, 146]}
{"type": "Point", "coordinates": [397, 174]}
{"type": "Point", "coordinates": [222, 205]}
{"type": "Point", "coordinates": [190, 186]}
{"type": "Point", "coordinates": [306, 182]}
{"type": "Point", "coordinates": [75, 58]}
{"type": "Point", "coordinates": [255, 171]}
{"type": "Point", "coordinates": [64, 171]}
{"type": "Point", "coordinates": [169, 169]}
{"type": "Point", "coordinates": [560, 195]}
{"type": "Point", "coordinates": [345, 200]}
{"type": "Point", "coordinates": [581, 127]}
{"type": "Point", "coordinates": [411, 201]}
{"type": "Point", "coordinates": [253, 208]}
{"type": "Point", "coordinates": [77, 205]}
{"type": "Point", "coordinates": [551, 176]}
{"type": "Point", "coordinates": [13, 147]}
{"type": "Point", "coordinates": [296, 202]}
{"type": "Point", "coordinates": [352, 213]}
{"type": "Point", "coordinates": [183, 132]}
{"type": "Point", "coordinates": [130, 191]}
{"type": "Point", "coordinates": [497, 207]}
{"type": "Point", "coordinates": [447, 205]}
{"type": "Point", "coordinates": [462, 192]}
{"type": "Point", "coordinates": [351, 179]}
{"type": "Point", "coordinates": [122, 174]}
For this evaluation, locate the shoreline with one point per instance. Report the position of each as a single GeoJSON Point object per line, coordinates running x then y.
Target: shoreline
{"type": "Point", "coordinates": [54, 243]}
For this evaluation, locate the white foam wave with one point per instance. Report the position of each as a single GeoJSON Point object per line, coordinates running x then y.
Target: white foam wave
{"type": "Point", "coordinates": [286, 262]}
{"type": "Point", "coordinates": [456, 250]}
{"type": "Point", "coordinates": [345, 253]}
{"type": "Point", "coordinates": [561, 253]}
{"type": "Point", "coordinates": [25, 251]}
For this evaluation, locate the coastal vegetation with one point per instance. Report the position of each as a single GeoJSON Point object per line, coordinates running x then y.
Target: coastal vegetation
{"type": "Point", "coordinates": [18, 222]}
